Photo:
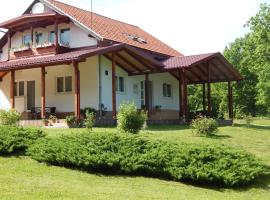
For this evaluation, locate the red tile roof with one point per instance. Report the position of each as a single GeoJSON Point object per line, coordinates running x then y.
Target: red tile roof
{"type": "Point", "coordinates": [186, 61]}
{"type": "Point", "coordinates": [114, 30]}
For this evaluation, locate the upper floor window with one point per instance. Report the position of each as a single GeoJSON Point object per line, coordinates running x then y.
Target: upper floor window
{"type": "Point", "coordinates": [65, 36]}
{"type": "Point", "coordinates": [39, 38]}
{"type": "Point", "coordinates": [64, 84]}
{"type": "Point", "coordinates": [27, 40]}
{"type": "Point", "coordinates": [120, 84]}
{"type": "Point", "coordinates": [51, 36]}
{"type": "Point", "coordinates": [167, 90]}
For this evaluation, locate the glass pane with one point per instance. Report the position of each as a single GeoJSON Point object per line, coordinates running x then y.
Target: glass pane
{"type": "Point", "coordinates": [39, 38]}
{"type": "Point", "coordinates": [164, 90]}
{"type": "Point", "coordinates": [169, 90]}
{"type": "Point", "coordinates": [21, 88]}
{"type": "Point", "coordinates": [51, 37]}
{"type": "Point", "coordinates": [68, 83]}
{"type": "Point", "coordinates": [64, 36]}
{"type": "Point", "coordinates": [60, 84]}
{"type": "Point", "coordinates": [15, 89]}
{"type": "Point", "coordinates": [121, 84]}
{"type": "Point", "coordinates": [27, 40]}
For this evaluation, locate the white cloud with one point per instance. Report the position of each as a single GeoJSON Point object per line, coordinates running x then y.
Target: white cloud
{"type": "Point", "coordinates": [190, 26]}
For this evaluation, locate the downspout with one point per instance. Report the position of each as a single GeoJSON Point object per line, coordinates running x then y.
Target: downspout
{"type": "Point", "coordinates": [99, 86]}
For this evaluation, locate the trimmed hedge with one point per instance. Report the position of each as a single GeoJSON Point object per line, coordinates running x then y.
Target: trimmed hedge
{"type": "Point", "coordinates": [111, 153]}
{"type": "Point", "coordinates": [14, 138]}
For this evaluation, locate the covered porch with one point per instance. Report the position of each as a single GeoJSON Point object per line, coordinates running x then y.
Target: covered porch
{"type": "Point", "coordinates": [201, 69]}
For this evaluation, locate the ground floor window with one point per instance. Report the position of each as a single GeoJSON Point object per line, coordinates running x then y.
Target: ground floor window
{"type": "Point", "coordinates": [19, 88]}
{"type": "Point", "coordinates": [120, 84]}
{"type": "Point", "coordinates": [167, 90]}
{"type": "Point", "coordinates": [64, 84]}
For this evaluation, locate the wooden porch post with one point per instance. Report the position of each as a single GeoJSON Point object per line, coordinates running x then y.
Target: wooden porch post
{"type": "Point", "coordinates": [180, 95]}
{"type": "Point", "coordinates": [12, 84]}
{"type": "Point", "coordinates": [32, 35]}
{"type": "Point", "coordinates": [209, 106]}
{"type": "Point", "coordinates": [9, 44]}
{"type": "Point", "coordinates": [184, 97]}
{"type": "Point", "coordinates": [113, 87]}
{"type": "Point", "coordinates": [77, 90]}
{"type": "Point", "coordinates": [230, 103]}
{"type": "Point", "coordinates": [43, 103]}
{"type": "Point", "coordinates": [146, 85]}
{"type": "Point", "coordinates": [56, 42]}
{"type": "Point", "coordinates": [204, 103]}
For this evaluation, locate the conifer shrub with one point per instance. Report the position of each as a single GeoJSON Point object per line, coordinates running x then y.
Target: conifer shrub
{"type": "Point", "coordinates": [128, 154]}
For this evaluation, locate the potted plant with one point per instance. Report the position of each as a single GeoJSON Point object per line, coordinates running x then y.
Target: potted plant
{"type": "Point", "coordinates": [53, 118]}
{"type": "Point", "coordinates": [45, 122]}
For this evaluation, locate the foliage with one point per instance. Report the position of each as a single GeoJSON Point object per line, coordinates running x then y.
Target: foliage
{"type": "Point", "coordinates": [115, 153]}
{"type": "Point", "coordinates": [129, 119]}
{"type": "Point", "coordinates": [71, 121]}
{"type": "Point", "coordinates": [248, 120]}
{"type": "Point", "coordinates": [90, 119]}
{"type": "Point", "coordinates": [9, 117]}
{"type": "Point", "coordinates": [53, 118]}
{"type": "Point", "coordinates": [13, 138]}
{"type": "Point", "coordinates": [250, 55]}
{"type": "Point", "coordinates": [89, 110]}
{"type": "Point", "coordinates": [204, 126]}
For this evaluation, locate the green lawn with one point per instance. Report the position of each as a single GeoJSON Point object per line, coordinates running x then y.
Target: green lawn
{"type": "Point", "coordinates": [23, 178]}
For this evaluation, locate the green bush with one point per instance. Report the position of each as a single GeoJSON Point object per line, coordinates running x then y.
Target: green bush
{"type": "Point", "coordinates": [127, 154]}
{"type": "Point", "coordinates": [88, 110]}
{"type": "Point", "coordinates": [9, 117]}
{"type": "Point", "coordinates": [90, 119]}
{"type": "Point", "coordinates": [71, 121]}
{"type": "Point", "coordinates": [204, 126]}
{"type": "Point", "coordinates": [129, 119]}
{"type": "Point", "coordinates": [13, 138]}
{"type": "Point", "coordinates": [248, 120]}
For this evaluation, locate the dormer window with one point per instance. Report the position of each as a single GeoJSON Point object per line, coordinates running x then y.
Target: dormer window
{"type": "Point", "coordinates": [65, 37]}
{"type": "Point", "coordinates": [27, 40]}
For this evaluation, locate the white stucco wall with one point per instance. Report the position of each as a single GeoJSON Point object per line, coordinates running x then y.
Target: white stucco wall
{"type": "Point", "coordinates": [129, 95]}
{"type": "Point", "coordinates": [63, 102]}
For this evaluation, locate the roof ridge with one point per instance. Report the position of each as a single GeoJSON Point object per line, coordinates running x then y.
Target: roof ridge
{"type": "Point", "coordinates": [95, 13]}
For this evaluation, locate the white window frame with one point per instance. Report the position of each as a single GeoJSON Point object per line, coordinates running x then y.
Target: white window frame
{"type": "Point", "coordinates": [118, 84]}
{"type": "Point", "coordinates": [18, 88]}
{"type": "Point", "coordinates": [64, 84]}
{"type": "Point", "coordinates": [166, 95]}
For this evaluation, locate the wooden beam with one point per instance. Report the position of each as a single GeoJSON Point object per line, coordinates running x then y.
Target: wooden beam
{"type": "Point", "coordinates": [146, 91]}
{"type": "Point", "coordinates": [43, 103]}
{"type": "Point", "coordinates": [209, 106]}
{"type": "Point", "coordinates": [204, 103]}
{"type": "Point", "coordinates": [117, 63]}
{"type": "Point", "coordinates": [113, 87]}
{"type": "Point", "coordinates": [230, 101]}
{"type": "Point", "coordinates": [184, 95]}
{"type": "Point", "coordinates": [128, 62]}
{"type": "Point", "coordinates": [32, 35]}
{"type": "Point", "coordinates": [77, 94]}
{"type": "Point", "coordinates": [56, 42]}
{"type": "Point", "coordinates": [180, 95]}
{"type": "Point", "coordinates": [12, 85]}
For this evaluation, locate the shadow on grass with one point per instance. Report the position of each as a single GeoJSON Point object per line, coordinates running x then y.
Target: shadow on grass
{"type": "Point", "coordinates": [16, 154]}
{"type": "Point", "coordinates": [260, 127]}
{"type": "Point", "coordinates": [167, 127]}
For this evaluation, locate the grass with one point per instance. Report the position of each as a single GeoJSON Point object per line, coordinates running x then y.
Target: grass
{"type": "Point", "coordinates": [23, 178]}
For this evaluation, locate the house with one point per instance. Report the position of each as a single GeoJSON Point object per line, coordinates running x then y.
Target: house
{"type": "Point", "coordinates": [56, 58]}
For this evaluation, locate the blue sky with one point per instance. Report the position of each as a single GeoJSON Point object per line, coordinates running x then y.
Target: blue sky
{"type": "Point", "coordinates": [190, 26]}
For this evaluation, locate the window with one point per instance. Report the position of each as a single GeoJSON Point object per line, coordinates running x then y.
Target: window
{"type": "Point", "coordinates": [64, 36]}
{"type": "Point", "coordinates": [39, 38]}
{"type": "Point", "coordinates": [51, 37]}
{"type": "Point", "coordinates": [167, 90]}
{"type": "Point", "coordinates": [19, 88]}
{"type": "Point", "coordinates": [27, 40]}
{"type": "Point", "coordinates": [120, 84]}
{"type": "Point", "coordinates": [64, 84]}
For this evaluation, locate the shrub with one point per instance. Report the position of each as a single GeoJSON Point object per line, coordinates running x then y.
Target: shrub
{"type": "Point", "coordinates": [71, 121]}
{"type": "Point", "coordinates": [88, 110]}
{"type": "Point", "coordinates": [89, 121]}
{"type": "Point", "coordinates": [129, 119]}
{"type": "Point", "coordinates": [116, 153]}
{"type": "Point", "coordinates": [204, 126]}
{"type": "Point", "coordinates": [9, 117]}
{"type": "Point", "coordinates": [248, 120]}
{"type": "Point", "coordinates": [13, 138]}
{"type": "Point", "coordinates": [53, 118]}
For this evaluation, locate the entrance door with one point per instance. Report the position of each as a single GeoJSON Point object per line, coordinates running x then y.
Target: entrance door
{"type": "Point", "coordinates": [30, 94]}
{"type": "Point", "coordinates": [142, 95]}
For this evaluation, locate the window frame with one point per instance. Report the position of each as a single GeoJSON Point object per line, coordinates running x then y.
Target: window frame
{"type": "Point", "coordinates": [41, 39]}
{"type": "Point", "coordinates": [64, 84]}
{"type": "Point", "coordinates": [23, 40]}
{"type": "Point", "coordinates": [118, 86]}
{"type": "Point", "coordinates": [60, 37]}
{"type": "Point", "coordinates": [17, 89]}
{"type": "Point", "coordinates": [167, 90]}
{"type": "Point", "coordinates": [49, 36]}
